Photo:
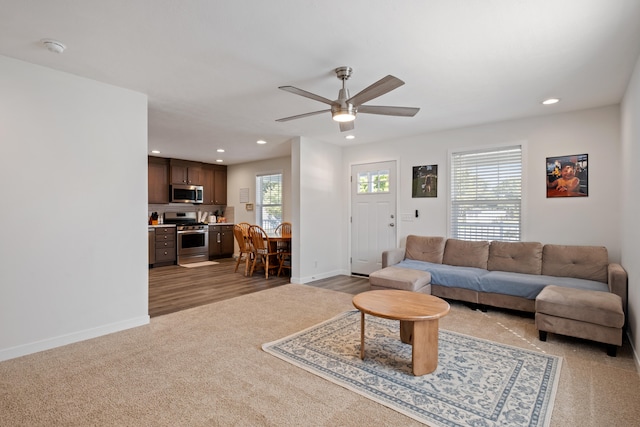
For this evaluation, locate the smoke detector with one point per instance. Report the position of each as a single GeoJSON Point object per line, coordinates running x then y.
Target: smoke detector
{"type": "Point", "coordinates": [54, 45]}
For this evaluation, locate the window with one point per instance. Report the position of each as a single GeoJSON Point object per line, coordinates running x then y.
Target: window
{"type": "Point", "coordinates": [486, 193]}
{"type": "Point", "coordinates": [373, 182]}
{"type": "Point", "coordinates": [269, 201]}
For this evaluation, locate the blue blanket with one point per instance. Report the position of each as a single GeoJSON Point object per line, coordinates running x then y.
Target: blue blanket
{"type": "Point", "coordinates": [500, 282]}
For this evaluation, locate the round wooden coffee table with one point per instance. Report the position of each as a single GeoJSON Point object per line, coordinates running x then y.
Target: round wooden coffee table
{"type": "Point", "coordinates": [418, 315]}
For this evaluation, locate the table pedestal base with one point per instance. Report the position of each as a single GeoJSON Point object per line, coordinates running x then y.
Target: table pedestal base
{"type": "Point", "coordinates": [423, 337]}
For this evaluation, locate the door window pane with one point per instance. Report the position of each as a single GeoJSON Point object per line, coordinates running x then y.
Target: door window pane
{"type": "Point", "coordinates": [373, 182]}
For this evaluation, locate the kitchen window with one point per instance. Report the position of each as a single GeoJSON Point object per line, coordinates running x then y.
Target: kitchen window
{"type": "Point", "coordinates": [486, 194]}
{"type": "Point", "coordinates": [269, 201]}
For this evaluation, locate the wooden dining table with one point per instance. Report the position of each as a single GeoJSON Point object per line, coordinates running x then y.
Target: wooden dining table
{"type": "Point", "coordinates": [276, 239]}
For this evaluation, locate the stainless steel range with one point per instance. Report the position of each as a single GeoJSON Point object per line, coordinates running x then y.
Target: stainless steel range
{"type": "Point", "coordinates": [193, 237]}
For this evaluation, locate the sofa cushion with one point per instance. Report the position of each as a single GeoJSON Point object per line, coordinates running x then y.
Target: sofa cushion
{"type": "Point", "coordinates": [516, 257]}
{"type": "Point", "coordinates": [530, 285]}
{"type": "Point", "coordinates": [582, 262]}
{"type": "Point", "coordinates": [465, 253]}
{"type": "Point", "coordinates": [400, 278]}
{"type": "Point", "coordinates": [600, 308]}
{"type": "Point", "coordinates": [447, 275]}
{"type": "Point", "coordinates": [425, 248]}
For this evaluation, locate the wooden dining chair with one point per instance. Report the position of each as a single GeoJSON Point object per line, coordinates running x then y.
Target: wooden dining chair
{"type": "Point", "coordinates": [284, 247]}
{"type": "Point", "coordinates": [241, 234]}
{"type": "Point", "coordinates": [245, 231]}
{"type": "Point", "coordinates": [263, 250]}
{"type": "Point", "coordinates": [284, 229]}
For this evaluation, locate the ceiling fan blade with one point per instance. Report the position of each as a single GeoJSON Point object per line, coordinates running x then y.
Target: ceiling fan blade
{"type": "Point", "coordinates": [306, 94]}
{"type": "Point", "coordinates": [382, 86]}
{"type": "Point", "coordinates": [299, 116]}
{"type": "Point", "coordinates": [388, 111]}
{"type": "Point", "coordinates": [346, 126]}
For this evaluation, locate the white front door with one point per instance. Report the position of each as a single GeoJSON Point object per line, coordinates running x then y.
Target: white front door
{"type": "Point", "coordinates": [373, 214]}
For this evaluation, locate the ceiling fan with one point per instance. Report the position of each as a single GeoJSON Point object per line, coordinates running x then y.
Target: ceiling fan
{"type": "Point", "coordinates": [344, 109]}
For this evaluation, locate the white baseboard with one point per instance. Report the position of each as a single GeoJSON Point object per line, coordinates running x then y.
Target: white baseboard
{"type": "Point", "coordinates": [326, 275]}
{"type": "Point", "coordinates": [634, 352]}
{"type": "Point", "coordinates": [49, 343]}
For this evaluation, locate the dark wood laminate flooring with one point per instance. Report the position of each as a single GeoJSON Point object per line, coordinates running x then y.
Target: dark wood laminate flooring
{"type": "Point", "coordinates": [174, 288]}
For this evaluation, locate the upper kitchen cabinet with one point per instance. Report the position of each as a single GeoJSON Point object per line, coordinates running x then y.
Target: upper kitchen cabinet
{"type": "Point", "coordinates": [185, 172]}
{"type": "Point", "coordinates": [215, 184]}
{"type": "Point", "coordinates": [220, 185]}
{"type": "Point", "coordinates": [158, 180]}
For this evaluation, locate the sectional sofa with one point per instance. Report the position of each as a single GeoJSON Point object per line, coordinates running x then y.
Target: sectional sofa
{"type": "Point", "coordinates": [580, 279]}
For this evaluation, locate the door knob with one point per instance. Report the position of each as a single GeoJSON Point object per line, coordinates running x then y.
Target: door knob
{"type": "Point", "coordinates": [392, 225]}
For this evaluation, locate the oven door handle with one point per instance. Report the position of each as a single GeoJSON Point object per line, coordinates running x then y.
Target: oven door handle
{"type": "Point", "coordinates": [193, 232]}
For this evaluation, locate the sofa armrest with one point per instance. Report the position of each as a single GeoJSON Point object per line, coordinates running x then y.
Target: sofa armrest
{"type": "Point", "coordinates": [392, 256]}
{"type": "Point", "coordinates": [617, 277]}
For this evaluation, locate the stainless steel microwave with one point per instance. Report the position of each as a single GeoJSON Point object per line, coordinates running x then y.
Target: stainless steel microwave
{"type": "Point", "coordinates": [186, 194]}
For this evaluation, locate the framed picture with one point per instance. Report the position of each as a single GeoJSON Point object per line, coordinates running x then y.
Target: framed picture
{"type": "Point", "coordinates": [568, 176]}
{"type": "Point", "coordinates": [425, 181]}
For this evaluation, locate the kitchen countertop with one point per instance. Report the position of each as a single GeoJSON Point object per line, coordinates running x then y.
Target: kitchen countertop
{"type": "Point", "coordinates": [173, 225]}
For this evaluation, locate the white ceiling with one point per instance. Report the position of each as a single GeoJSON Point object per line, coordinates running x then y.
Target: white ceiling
{"type": "Point", "coordinates": [211, 68]}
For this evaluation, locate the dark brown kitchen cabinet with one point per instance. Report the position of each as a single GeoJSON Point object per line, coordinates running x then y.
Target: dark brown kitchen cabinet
{"type": "Point", "coordinates": [185, 172]}
{"type": "Point", "coordinates": [165, 245]}
{"type": "Point", "coordinates": [208, 190]}
{"type": "Point", "coordinates": [220, 185]}
{"type": "Point", "coordinates": [152, 246]}
{"type": "Point", "coordinates": [215, 184]}
{"type": "Point", "coordinates": [220, 241]}
{"type": "Point", "coordinates": [158, 180]}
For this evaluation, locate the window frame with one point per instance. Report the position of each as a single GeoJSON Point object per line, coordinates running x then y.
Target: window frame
{"type": "Point", "coordinates": [259, 211]}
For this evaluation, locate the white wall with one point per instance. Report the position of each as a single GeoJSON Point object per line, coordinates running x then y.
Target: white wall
{"type": "Point", "coordinates": [320, 191]}
{"type": "Point", "coordinates": [244, 176]}
{"type": "Point", "coordinates": [74, 247]}
{"type": "Point", "coordinates": [592, 220]}
{"type": "Point", "coordinates": [629, 175]}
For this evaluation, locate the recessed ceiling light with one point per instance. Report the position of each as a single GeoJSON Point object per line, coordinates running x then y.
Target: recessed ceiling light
{"type": "Point", "coordinates": [155, 151]}
{"type": "Point", "coordinates": [551, 101]}
{"type": "Point", "coordinates": [350, 137]}
{"type": "Point", "coordinates": [219, 160]}
{"type": "Point", "coordinates": [54, 45]}
{"type": "Point", "coordinates": [220, 150]}
{"type": "Point", "coordinates": [261, 141]}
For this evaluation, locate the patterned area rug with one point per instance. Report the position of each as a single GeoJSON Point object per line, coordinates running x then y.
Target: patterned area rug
{"type": "Point", "coordinates": [477, 382]}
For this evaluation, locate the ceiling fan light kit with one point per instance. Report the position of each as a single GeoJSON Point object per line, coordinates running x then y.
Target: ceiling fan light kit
{"type": "Point", "coordinates": [344, 109]}
{"type": "Point", "coordinates": [344, 114]}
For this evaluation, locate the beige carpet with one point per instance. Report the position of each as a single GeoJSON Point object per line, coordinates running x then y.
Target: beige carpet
{"type": "Point", "coordinates": [205, 367]}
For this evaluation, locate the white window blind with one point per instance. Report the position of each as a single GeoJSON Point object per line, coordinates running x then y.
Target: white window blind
{"type": "Point", "coordinates": [486, 193]}
{"type": "Point", "coordinates": [269, 201]}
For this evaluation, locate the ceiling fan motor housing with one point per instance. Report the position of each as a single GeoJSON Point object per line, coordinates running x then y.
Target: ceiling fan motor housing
{"type": "Point", "coordinates": [341, 110]}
